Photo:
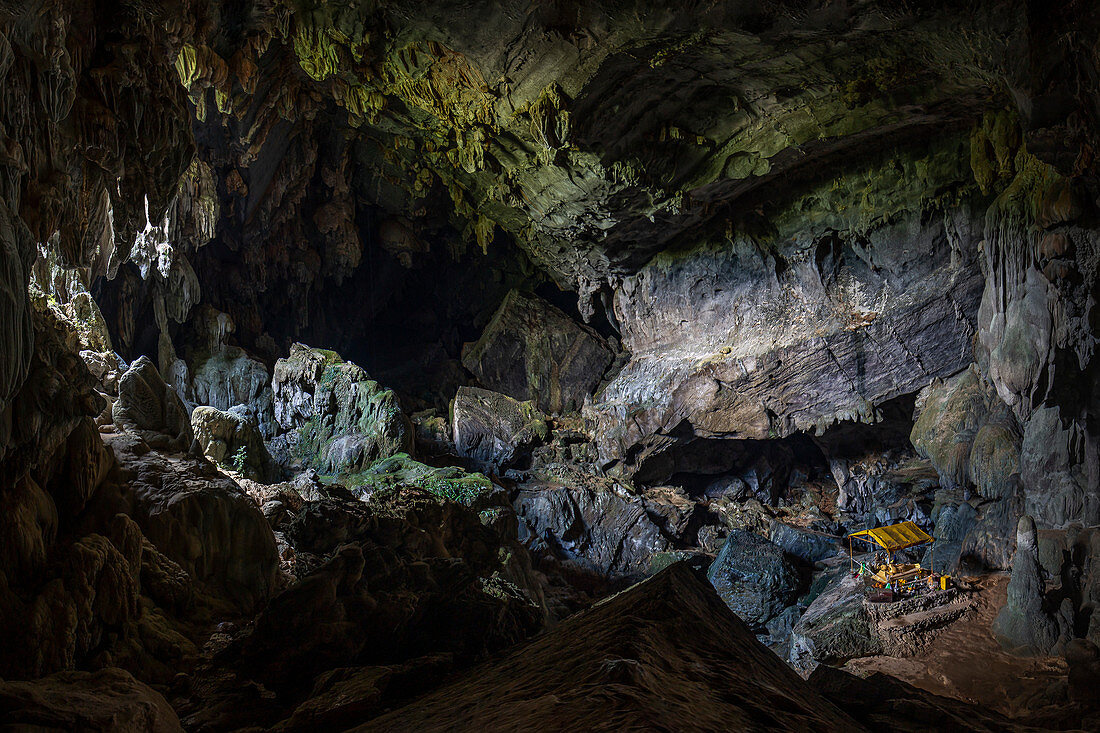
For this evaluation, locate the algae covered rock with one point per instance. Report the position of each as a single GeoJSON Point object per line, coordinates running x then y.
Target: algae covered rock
{"type": "Point", "coordinates": [493, 429]}
{"type": "Point", "coordinates": [336, 418]}
{"type": "Point", "coordinates": [234, 441]}
{"type": "Point", "coordinates": [532, 351]}
{"type": "Point", "coordinates": [447, 482]}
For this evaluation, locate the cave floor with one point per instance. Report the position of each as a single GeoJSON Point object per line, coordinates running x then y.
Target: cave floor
{"type": "Point", "coordinates": [966, 662]}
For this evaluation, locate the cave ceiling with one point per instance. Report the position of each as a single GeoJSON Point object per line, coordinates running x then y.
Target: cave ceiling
{"type": "Point", "coordinates": [593, 137]}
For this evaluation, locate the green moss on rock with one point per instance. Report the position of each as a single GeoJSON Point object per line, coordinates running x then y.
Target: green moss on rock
{"type": "Point", "coordinates": [450, 482]}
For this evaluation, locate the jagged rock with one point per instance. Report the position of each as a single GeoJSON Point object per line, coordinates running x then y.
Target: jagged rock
{"type": "Point", "coordinates": [493, 430]}
{"type": "Point", "coordinates": [433, 433]}
{"type": "Point", "coordinates": [749, 515]}
{"type": "Point", "coordinates": [226, 377]}
{"type": "Point", "coordinates": [89, 324]}
{"type": "Point", "coordinates": [674, 512]}
{"type": "Point", "coordinates": [337, 419]}
{"type": "Point", "coordinates": [754, 577]}
{"type": "Point", "coordinates": [164, 580]}
{"type": "Point", "coordinates": [232, 440]}
{"type": "Point", "coordinates": [109, 700]}
{"type": "Point", "coordinates": [407, 575]}
{"type": "Point", "coordinates": [151, 409]}
{"type": "Point", "coordinates": [201, 520]}
{"type": "Point", "coordinates": [532, 351]}
{"type": "Point", "coordinates": [92, 595]}
{"type": "Point", "coordinates": [597, 529]}
{"type": "Point", "coordinates": [107, 368]}
{"type": "Point", "coordinates": [1025, 625]}
{"type": "Point", "coordinates": [669, 648]}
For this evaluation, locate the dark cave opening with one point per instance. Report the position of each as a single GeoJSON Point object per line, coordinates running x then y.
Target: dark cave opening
{"type": "Point", "coordinates": [770, 469]}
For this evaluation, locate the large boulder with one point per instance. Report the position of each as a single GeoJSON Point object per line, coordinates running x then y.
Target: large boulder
{"type": "Point", "coordinates": [493, 430]}
{"type": "Point", "coordinates": [532, 351]}
{"type": "Point", "coordinates": [597, 529]}
{"type": "Point", "coordinates": [151, 409]}
{"type": "Point", "coordinates": [200, 520]}
{"type": "Point", "coordinates": [754, 577]}
{"type": "Point", "coordinates": [217, 374]}
{"type": "Point", "coordinates": [809, 544]}
{"type": "Point", "coordinates": [233, 440]}
{"type": "Point", "coordinates": [335, 418]}
{"type": "Point", "coordinates": [835, 626]}
{"type": "Point", "coordinates": [108, 701]}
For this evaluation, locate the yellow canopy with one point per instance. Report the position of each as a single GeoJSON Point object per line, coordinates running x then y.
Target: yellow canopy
{"type": "Point", "coordinates": [895, 537]}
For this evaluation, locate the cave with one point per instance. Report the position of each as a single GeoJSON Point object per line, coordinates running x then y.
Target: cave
{"type": "Point", "coordinates": [388, 366]}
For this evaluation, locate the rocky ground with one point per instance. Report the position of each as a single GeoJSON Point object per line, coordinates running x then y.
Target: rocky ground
{"type": "Point", "coordinates": [966, 663]}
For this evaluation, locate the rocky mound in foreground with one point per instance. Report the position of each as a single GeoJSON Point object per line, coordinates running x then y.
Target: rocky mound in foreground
{"type": "Point", "coordinates": [667, 654]}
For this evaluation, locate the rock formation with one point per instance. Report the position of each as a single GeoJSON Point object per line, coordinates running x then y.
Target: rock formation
{"type": "Point", "coordinates": [628, 284]}
{"type": "Point", "coordinates": [753, 577]}
{"type": "Point", "coordinates": [493, 429]}
{"type": "Point", "coordinates": [107, 700]}
{"type": "Point", "coordinates": [333, 416]}
{"type": "Point", "coordinates": [530, 350]}
{"type": "Point", "coordinates": [1026, 623]}
{"type": "Point", "coordinates": [231, 439]}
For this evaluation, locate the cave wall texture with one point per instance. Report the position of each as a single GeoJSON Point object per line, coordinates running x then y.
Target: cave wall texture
{"type": "Point", "coordinates": [779, 216]}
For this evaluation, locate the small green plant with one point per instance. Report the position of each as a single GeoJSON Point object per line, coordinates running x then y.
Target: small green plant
{"type": "Point", "coordinates": [239, 459]}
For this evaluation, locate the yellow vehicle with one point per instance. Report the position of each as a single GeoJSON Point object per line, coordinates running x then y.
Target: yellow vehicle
{"type": "Point", "coordinates": [883, 571]}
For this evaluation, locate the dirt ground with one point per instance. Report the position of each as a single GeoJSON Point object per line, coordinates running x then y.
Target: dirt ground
{"type": "Point", "coordinates": [965, 662]}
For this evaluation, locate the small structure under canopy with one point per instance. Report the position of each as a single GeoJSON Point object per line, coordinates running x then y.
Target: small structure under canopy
{"type": "Point", "coordinates": [893, 538]}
